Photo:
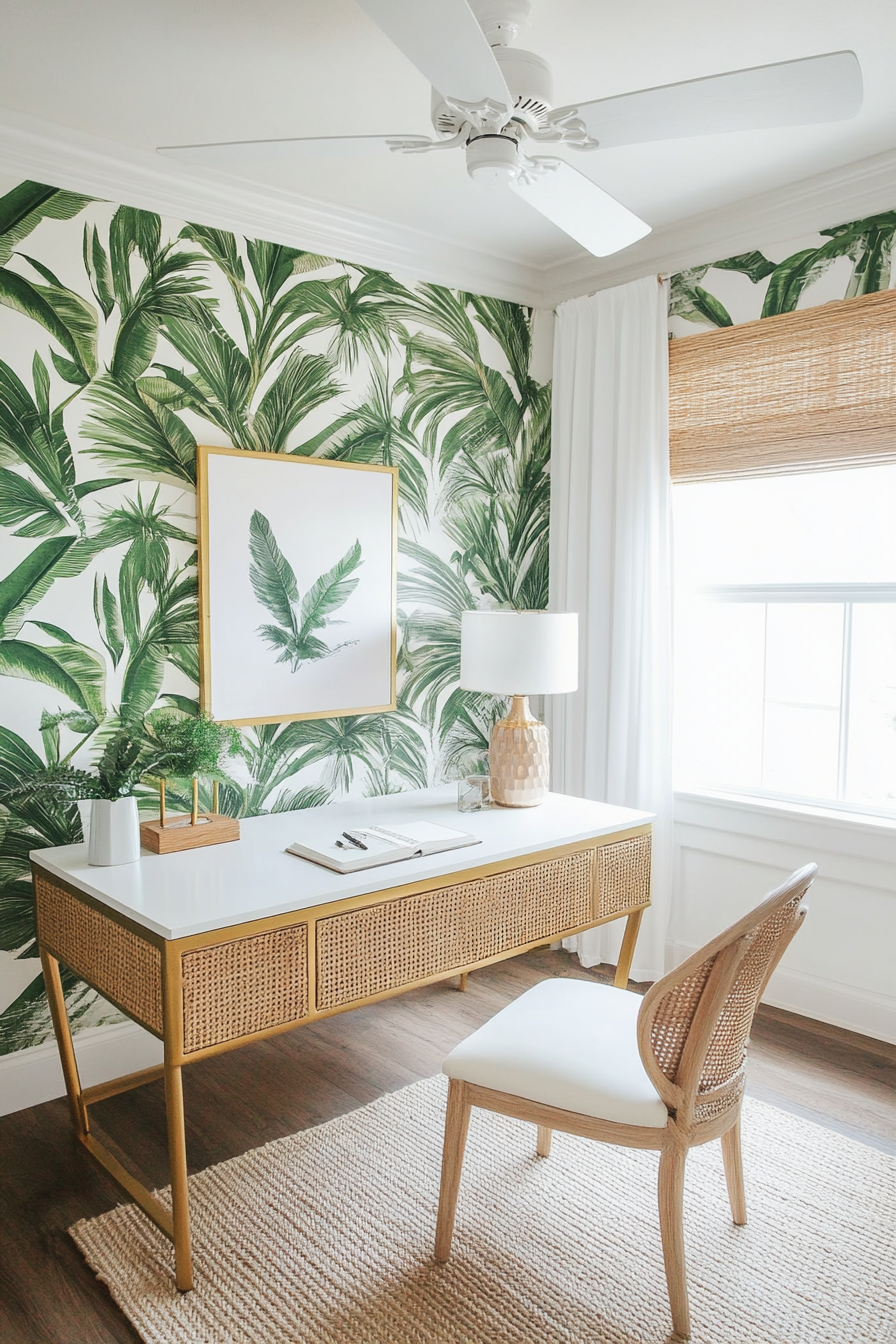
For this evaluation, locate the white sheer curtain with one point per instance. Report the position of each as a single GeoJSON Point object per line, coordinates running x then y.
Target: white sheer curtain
{"type": "Point", "coordinates": [611, 562]}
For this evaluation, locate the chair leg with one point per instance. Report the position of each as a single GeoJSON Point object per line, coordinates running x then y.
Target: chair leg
{"type": "Point", "coordinates": [543, 1142]}
{"type": "Point", "coordinates": [671, 1202]}
{"type": "Point", "coordinates": [457, 1120]}
{"type": "Point", "coordinates": [734, 1173]}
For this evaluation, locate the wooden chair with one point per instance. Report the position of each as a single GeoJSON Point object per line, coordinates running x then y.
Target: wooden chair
{"type": "Point", "coordinates": [663, 1072]}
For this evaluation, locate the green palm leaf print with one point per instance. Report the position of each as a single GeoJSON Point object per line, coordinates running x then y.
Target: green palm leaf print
{"type": "Point", "coordinates": [23, 208]}
{"type": "Point", "coordinates": [275, 586]}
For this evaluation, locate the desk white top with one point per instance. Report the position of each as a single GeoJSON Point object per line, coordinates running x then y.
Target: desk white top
{"type": "Point", "coordinates": [176, 895]}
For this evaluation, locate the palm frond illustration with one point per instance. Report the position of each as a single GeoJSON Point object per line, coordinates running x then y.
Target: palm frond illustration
{"type": "Point", "coordinates": [274, 583]}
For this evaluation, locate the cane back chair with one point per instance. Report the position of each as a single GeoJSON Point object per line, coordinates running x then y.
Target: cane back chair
{"type": "Point", "coordinates": [666, 1072]}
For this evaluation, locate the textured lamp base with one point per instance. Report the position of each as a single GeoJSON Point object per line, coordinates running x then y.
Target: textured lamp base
{"type": "Point", "coordinates": [519, 757]}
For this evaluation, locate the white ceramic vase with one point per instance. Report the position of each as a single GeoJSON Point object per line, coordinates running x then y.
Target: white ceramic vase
{"type": "Point", "coordinates": [114, 832]}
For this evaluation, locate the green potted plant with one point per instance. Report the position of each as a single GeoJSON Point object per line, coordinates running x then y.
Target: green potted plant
{"type": "Point", "coordinates": [114, 824]}
{"type": "Point", "coordinates": [164, 746]}
{"type": "Point", "coordinates": [114, 835]}
{"type": "Point", "coordinates": [187, 747]}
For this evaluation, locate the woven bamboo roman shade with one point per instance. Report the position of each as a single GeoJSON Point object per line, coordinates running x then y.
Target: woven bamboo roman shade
{"type": "Point", "coordinates": [797, 392]}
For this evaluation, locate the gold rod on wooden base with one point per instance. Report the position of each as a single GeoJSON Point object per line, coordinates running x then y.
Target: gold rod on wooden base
{"type": "Point", "coordinates": [194, 815]}
{"type": "Point", "coordinates": [215, 797]}
{"type": "Point", "coordinates": [161, 802]}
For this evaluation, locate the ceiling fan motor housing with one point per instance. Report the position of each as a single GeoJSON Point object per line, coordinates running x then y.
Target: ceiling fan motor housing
{"type": "Point", "coordinates": [528, 78]}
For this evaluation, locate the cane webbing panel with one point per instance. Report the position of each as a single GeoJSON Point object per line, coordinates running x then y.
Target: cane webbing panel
{"type": "Point", "coordinates": [116, 961]}
{"type": "Point", "coordinates": [623, 875]}
{"type": "Point", "coordinates": [717, 1103]}
{"type": "Point", "coordinates": [721, 1082]}
{"type": "Point", "coordinates": [728, 1044]}
{"type": "Point", "coordinates": [382, 947]}
{"type": "Point", "coordinates": [672, 1020]}
{"type": "Point", "coordinates": [246, 985]}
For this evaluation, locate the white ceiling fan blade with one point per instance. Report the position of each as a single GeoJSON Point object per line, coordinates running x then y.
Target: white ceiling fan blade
{"type": "Point", "coordinates": [580, 207]}
{"type": "Point", "coordinates": [792, 93]}
{"type": "Point", "coordinates": [245, 153]}
{"type": "Point", "coordinates": [446, 44]}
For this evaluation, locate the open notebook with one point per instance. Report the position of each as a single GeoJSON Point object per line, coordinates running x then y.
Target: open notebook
{"type": "Point", "coordinates": [408, 841]}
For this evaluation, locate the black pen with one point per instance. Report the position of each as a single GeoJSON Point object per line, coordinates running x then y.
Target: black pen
{"type": "Point", "coordinates": [353, 840]}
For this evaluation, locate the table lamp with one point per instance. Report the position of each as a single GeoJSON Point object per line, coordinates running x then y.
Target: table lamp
{"type": "Point", "coordinates": [519, 653]}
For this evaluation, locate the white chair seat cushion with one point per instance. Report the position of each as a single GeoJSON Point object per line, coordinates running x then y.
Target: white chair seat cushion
{"type": "Point", "coordinates": [568, 1043]}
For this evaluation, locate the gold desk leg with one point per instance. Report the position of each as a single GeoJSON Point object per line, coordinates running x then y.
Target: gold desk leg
{"type": "Point", "coordinates": [177, 1158]}
{"type": "Point", "coordinates": [61, 1027]}
{"type": "Point", "coordinates": [77, 1098]}
{"type": "Point", "coordinates": [627, 951]}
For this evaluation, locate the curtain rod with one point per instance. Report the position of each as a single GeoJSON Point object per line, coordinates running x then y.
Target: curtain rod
{"type": "Point", "coordinates": [660, 278]}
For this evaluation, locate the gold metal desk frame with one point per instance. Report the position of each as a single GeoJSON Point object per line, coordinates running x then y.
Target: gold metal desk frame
{"type": "Point", "coordinates": [210, 992]}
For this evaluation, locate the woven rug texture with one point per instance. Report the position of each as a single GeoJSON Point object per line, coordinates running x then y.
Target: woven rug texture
{"type": "Point", "coordinates": [326, 1237]}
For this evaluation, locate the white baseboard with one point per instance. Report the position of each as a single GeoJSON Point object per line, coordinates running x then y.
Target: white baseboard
{"type": "Point", "coordinates": [29, 1077]}
{"type": "Point", "coordinates": [846, 1006]}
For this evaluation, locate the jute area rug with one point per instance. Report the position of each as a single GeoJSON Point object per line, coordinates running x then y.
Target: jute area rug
{"type": "Point", "coordinates": [326, 1237]}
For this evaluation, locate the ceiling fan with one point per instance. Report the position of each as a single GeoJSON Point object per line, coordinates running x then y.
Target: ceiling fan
{"type": "Point", "coordinates": [494, 101]}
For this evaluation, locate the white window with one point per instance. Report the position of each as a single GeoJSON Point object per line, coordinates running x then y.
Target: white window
{"type": "Point", "coordinates": [785, 637]}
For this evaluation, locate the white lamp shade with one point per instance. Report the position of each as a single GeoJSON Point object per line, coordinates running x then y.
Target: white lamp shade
{"type": "Point", "coordinates": [519, 652]}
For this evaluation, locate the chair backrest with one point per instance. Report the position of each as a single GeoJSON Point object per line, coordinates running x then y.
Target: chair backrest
{"type": "Point", "coordinates": [694, 1024]}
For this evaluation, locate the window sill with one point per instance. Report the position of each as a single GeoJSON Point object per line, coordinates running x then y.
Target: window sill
{"type": "Point", "coordinates": [863, 822]}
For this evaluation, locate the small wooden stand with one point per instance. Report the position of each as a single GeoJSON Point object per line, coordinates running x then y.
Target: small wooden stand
{"type": "Point", "coordinates": [176, 832]}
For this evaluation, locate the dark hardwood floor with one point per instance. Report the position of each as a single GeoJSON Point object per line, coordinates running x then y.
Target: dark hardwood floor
{"type": "Point", "coordinates": [240, 1100]}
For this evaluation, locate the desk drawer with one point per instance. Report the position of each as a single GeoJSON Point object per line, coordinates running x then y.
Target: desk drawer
{"type": "Point", "coordinates": [383, 947]}
{"type": "Point", "coordinates": [111, 958]}
{"type": "Point", "coordinates": [623, 876]}
{"type": "Point", "coordinates": [244, 986]}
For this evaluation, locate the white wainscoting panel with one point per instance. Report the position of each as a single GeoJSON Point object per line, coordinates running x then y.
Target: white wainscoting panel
{"type": "Point", "coordinates": [29, 1077]}
{"type": "Point", "coordinates": [842, 966]}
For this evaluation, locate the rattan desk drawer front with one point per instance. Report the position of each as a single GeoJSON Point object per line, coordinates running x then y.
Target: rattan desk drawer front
{"type": "Point", "coordinates": [114, 960]}
{"type": "Point", "coordinates": [623, 876]}
{"type": "Point", "coordinates": [383, 947]}
{"type": "Point", "coordinates": [244, 986]}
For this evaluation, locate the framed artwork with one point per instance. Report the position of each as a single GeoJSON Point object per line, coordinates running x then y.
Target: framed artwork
{"type": "Point", "coordinates": [297, 573]}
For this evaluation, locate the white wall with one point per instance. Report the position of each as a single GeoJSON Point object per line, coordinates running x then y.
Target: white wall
{"type": "Point", "coordinates": [841, 967]}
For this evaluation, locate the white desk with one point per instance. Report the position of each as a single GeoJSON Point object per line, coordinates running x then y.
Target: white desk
{"type": "Point", "coordinates": [214, 948]}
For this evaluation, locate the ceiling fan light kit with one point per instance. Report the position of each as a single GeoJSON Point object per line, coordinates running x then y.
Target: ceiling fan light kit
{"type": "Point", "coordinates": [495, 101]}
{"type": "Point", "coordinates": [493, 158]}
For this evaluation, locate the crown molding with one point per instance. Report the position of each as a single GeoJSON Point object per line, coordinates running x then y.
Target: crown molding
{"type": "Point", "coordinates": [46, 152]}
{"type": "Point", "coordinates": [803, 207]}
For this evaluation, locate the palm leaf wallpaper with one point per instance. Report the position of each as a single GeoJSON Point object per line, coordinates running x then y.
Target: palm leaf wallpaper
{"type": "Point", "coordinates": [125, 340]}
{"type": "Point", "coordinates": [839, 263]}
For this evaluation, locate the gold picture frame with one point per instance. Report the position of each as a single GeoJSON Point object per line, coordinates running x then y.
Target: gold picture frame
{"type": "Point", "coordinates": [260, 517]}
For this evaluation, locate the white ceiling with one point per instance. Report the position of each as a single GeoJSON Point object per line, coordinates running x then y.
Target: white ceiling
{"type": "Point", "coordinates": [120, 77]}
